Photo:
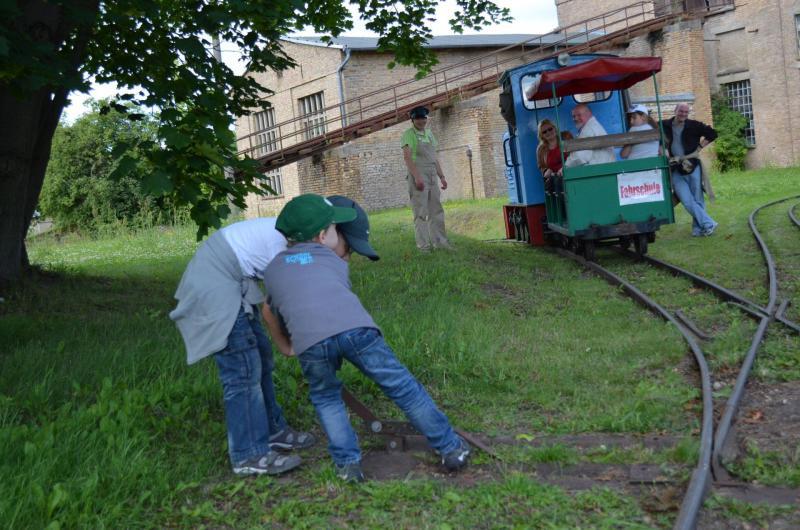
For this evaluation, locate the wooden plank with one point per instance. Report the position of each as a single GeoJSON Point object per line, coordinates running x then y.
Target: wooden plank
{"type": "Point", "coordinates": [364, 131]}
{"type": "Point", "coordinates": [610, 140]}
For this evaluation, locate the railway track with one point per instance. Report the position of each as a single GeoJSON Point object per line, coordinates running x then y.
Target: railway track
{"type": "Point", "coordinates": [715, 445]}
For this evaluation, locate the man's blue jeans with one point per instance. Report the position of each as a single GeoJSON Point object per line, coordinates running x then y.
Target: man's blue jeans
{"type": "Point", "coordinates": [689, 189]}
{"type": "Point", "coordinates": [366, 349]}
{"type": "Point", "coordinates": [245, 368]}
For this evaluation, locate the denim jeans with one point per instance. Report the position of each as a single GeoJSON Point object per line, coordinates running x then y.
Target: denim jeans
{"type": "Point", "coordinates": [245, 370]}
{"type": "Point", "coordinates": [689, 189]}
{"type": "Point", "coordinates": [366, 349]}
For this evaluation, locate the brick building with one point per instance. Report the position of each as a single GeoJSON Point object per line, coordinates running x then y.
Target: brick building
{"type": "Point", "coordinates": [748, 50]}
{"type": "Point", "coordinates": [371, 169]}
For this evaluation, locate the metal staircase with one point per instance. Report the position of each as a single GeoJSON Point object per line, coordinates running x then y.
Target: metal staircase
{"type": "Point", "coordinates": [300, 137]}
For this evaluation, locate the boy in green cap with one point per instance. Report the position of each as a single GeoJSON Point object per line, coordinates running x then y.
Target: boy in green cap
{"type": "Point", "coordinates": [312, 313]}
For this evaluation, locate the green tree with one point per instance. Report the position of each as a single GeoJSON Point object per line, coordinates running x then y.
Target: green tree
{"type": "Point", "coordinates": [81, 188]}
{"type": "Point", "coordinates": [731, 144]}
{"type": "Point", "coordinates": [158, 53]}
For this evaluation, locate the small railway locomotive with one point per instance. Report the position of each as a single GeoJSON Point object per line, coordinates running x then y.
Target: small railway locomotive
{"type": "Point", "coordinates": [623, 201]}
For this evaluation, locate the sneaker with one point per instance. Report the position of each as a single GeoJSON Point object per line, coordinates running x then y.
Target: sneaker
{"type": "Point", "coordinates": [710, 230]}
{"type": "Point", "coordinates": [350, 472]}
{"type": "Point", "coordinates": [457, 458]}
{"type": "Point", "coordinates": [289, 439]}
{"type": "Point", "coordinates": [272, 464]}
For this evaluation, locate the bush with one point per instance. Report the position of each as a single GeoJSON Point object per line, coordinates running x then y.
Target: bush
{"type": "Point", "coordinates": [81, 189]}
{"type": "Point", "coordinates": [730, 145]}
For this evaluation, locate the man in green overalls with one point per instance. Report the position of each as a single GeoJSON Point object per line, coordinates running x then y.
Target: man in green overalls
{"type": "Point", "coordinates": [419, 153]}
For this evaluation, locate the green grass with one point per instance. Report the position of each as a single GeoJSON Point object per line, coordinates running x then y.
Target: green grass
{"type": "Point", "coordinates": [103, 425]}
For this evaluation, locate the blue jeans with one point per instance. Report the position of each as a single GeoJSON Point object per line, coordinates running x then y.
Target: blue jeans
{"type": "Point", "coordinates": [689, 189]}
{"type": "Point", "coordinates": [366, 349]}
{"type": "Point", "coordinates": [245, 370]}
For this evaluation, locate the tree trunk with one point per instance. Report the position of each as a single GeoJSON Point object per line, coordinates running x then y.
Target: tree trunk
{"type": "Point", "coordinates": [27, 125]}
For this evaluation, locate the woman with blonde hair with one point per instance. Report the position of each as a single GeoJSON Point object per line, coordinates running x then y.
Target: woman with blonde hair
{"type": "Point", "coordinates": [548, 154]}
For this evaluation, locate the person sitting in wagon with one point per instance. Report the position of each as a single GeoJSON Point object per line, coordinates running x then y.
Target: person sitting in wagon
{"type": "Point", "coordinates": [548, 154]}
{"type": "Point", "coordinates": [640, 120]}
{"type": "Point", "coordinates": [588, 126]}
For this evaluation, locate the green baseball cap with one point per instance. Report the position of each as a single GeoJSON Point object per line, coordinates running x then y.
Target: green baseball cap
{"type": "Point", "coordinates": [306, 215]}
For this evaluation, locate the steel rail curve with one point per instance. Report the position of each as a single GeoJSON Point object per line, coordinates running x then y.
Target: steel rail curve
{"type": "Point", "coordinates": [732, 404]}
{"type": "Point", "coordinates": [793, 215]}
{"type": "Point", "coordinates": [701, 476]}
{"type": "Point", "coordinates": [766, 316]}
{"type": "Point", "coordinates": [748, 306]}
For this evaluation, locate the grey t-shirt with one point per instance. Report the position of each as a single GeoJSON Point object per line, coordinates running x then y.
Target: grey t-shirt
{"type": "Point", "coordinates": [677, 144]}
{"type": "Point", "coordinates": [309, 291]}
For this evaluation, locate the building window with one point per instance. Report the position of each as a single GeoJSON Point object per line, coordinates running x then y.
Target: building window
{"type": "Point", "coordinates": [529, 84]}
{"type": "Point", "coordinates": [589, 97]}
{"type": "Point", "coordinates": [312, 112]}
{"type": "Point", "coordinates": [740, 100]}
{"type": "Point", "coordinates": [273, 179]}
{"type": "Point", "coordinates": [266, 135]}
{"type": "Point", "coordinates": [797, 28]}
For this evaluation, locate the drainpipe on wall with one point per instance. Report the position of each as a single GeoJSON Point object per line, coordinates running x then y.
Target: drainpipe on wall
{"type": "Point", "coordinates": [342, 111]}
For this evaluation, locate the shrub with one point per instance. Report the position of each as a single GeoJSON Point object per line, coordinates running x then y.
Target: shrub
{"type": "Point", "coordinates": [81, 189]}
{"type": "Point", "coordinates": [730, 145]}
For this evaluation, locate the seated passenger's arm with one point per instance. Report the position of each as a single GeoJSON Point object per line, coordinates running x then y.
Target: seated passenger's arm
{"type": "Point", "coordinates": [578, 158]}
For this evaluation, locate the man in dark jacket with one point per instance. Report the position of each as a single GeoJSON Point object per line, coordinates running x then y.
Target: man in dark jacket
{"type": "Point", "coordinates": [684, 137]}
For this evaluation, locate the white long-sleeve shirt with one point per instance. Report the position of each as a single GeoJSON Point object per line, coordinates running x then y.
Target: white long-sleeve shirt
{"type": "Point", "coordinates": [587, 157]}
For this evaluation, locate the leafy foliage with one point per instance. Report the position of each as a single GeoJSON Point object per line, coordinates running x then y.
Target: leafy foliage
{"type": "Point", "coordinates": [158, 54]}
{"type": "Point", "coordinates": [730, 146]}
{"type": "Point", "coordinates": [87, 185]}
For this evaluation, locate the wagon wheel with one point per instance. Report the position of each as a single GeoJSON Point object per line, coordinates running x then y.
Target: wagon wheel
{"type": "Point", "coordinates": [625, 242]}
{"type": "Point", "coordinates": [588, 250]}
{"type": "Point", "coordinates": [641, 244]}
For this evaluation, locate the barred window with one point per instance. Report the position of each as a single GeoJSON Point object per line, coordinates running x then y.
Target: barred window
{"type": "Point", "coordinates": [266, 135]}
{"type": "Point", "coordinates": [740, 100]}
{"type": "Point", "coordinates": [274, 179]}
{"type": "Point", "coordinates": [312, 110]}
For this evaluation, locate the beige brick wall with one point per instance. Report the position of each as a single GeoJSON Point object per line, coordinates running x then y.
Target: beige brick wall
{"type": "Point", "coordinates": [371, 169]}
{"type": "Point", "coordinates": [601, 15]}
{"type": "Point", "coordinates": [757, 41]}
{"type": "Point", "coordinates": [766, 40]}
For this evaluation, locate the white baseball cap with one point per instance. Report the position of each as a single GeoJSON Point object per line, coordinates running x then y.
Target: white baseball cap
{"type": "Point", "coordinates": [638, 108]}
